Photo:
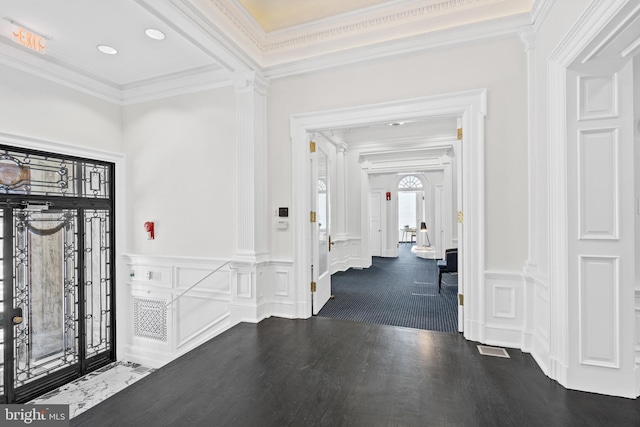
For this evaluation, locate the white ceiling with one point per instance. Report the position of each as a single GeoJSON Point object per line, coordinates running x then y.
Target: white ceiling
{"type": "Point", "coordinates": [75, 27]}
{"type": "Point", "coordinates": [208, 41]}
{"type": "Point", "coordinates": [430, 131]}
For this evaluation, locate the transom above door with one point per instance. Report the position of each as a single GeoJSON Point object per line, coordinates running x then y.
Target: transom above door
{"type": "Point", "coordinates": [57, 270]}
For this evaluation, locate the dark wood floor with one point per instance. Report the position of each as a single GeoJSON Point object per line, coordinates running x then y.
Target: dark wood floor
{"type": "Point", "coordinates": [342, 373]}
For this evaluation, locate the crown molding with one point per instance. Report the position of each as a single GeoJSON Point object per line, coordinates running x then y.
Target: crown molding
{"type": "Point", "coordinates": [48, 69]}
{"type": "Point", "coordinates": [382, 23]}
{"type": "Point", "coordinates": [539, 12]}
{"type": "Point", "coordinates": [383, 16]}
{"type": "Point", "coordinates": [205, 78]}
{"type": "Point", "coordinates": [160, 87]}
{"type": "Point", "coordinates": [496, 28]}
{"type": "Point", "coordinates": [225, 31]}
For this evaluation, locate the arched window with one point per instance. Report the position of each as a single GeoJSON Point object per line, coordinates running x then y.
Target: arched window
{"type": "Point", "coordinates": [410, 182]}
{"type": "Point", "coordinates": [409, 199]}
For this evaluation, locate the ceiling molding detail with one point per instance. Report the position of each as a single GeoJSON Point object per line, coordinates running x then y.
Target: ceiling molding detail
{"type": "Point", "coordinates": [502, 27]}
{"type": "Point", "coordinates": [383, 23]}
{"type": "Point", "coordinates": [338, 28]}
{"type": "Point", "coordinates": [225, 33]}
{"type": "Point", "coordinates": [237, 15]}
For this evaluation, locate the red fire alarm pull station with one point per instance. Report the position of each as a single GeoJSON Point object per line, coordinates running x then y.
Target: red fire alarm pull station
{"type": "Point", "coordinates": [388, 195]}
{"type": "Point", "coordinates": [149, 228]}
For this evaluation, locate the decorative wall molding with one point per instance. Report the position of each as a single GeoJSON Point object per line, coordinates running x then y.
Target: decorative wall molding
{"type": "Point", "coordinates": [233, 11]}
{"type": "Point", "coordinates": [387, 17]}
{"type": "Point", "coordinates": [528, 38]}
{"type": "Point", "coordinates": [345, 254]}
{"type": "Point", "coordinates": [539, 12]}
{"type": "Point", "coordinates": [237, 292]}
{"type": "Point", "coordinates": [504, 308]}
{"type": "Point", "coordinates": [291, 62]}
{"type": "Point", "coordinates": [192, 316]}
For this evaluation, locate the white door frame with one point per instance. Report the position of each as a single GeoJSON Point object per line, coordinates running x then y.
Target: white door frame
{"type": "Point", "coordinates": [379, 194]}
{"type": "Point", "coordinates": [591, 25]}
{"type": "Point", "coordinates": [471, 106]}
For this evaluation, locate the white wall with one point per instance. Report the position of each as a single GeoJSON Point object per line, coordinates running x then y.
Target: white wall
{"type": "Point", "coordinates": [36, 108]}
{"type": "Point", "coordinates": [560, 19]}
{"type": "Point", "coordinates": [181, 157]}
{"type": "Point", "coordinates": [497, 65]}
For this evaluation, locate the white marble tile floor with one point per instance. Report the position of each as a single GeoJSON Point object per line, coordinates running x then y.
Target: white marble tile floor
{"type": "Point", "coordinates": [95, 387]}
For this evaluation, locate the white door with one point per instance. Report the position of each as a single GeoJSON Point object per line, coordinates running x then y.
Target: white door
{"type": "Point", "coordinates": [320, 228]}
{"type": "Point", "coordinates": [376, 223]}
{"type": "Point", "coordinates": [600, 207]}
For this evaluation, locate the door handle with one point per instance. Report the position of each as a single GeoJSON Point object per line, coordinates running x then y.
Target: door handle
{"type": "Point", "coordinates": [16, 316]}
{"type": "Point", "coordinates": [331, 243]}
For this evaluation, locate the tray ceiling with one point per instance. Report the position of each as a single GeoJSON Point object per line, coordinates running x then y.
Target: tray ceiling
{"type": "Point", "coordinates": [209, 43]}
{"type": "Point", "coordinates": [278, 14]}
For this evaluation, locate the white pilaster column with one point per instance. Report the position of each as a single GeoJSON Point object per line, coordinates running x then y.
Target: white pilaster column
{"type": "Point", "coordinates": [250, 294]}
{"type": "Point", "coordinates": [528, 38]}
{"type": "Point", "coordinates": [251, 141]}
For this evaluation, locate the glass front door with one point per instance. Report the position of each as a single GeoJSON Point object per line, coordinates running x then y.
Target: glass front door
{"type": "Point", "coordinates": [56, 283]}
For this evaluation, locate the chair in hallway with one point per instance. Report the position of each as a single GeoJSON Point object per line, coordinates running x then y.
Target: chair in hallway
{"type": "Point", "coordinates": [408, 232]}
{"type": "Point", "coordinates": [447, 265]}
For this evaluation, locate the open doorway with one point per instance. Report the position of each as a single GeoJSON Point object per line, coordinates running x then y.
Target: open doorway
{"type": "Point", "coordinates": [470, 108]}
{"type": "Point", "coordinates": [410, 208]}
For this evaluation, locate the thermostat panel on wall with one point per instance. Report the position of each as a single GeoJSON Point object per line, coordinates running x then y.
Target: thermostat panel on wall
{"type": "Point", "coordinates": [283, 212]}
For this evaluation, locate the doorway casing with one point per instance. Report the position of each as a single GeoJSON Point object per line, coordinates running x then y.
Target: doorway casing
{"type": "Point", "coordinates": [471, 107]}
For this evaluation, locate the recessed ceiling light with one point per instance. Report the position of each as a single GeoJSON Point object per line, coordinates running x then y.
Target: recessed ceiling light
{"type": "Point", "coordinates": [154, 34]}
{"type": "Point", "coordinates": [107, 49]}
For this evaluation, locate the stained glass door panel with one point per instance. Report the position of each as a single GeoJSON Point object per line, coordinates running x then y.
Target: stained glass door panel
{"type": "Point", "coordinates": [45, 289]}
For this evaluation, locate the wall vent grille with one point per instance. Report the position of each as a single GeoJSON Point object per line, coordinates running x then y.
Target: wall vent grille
{"type": "Point", "coordinates": [150, 319]}
{"type": "Point", "coordinates": [493, 351]}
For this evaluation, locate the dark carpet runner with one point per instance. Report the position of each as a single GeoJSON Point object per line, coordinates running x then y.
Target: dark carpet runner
{"type": "Point", "coordinates": [399, 291]}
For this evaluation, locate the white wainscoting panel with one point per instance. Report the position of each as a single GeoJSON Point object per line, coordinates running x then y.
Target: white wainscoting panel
{"type": "Point", "coordinates": [598, 97]}
{"type": "Point", "coordinates": [244, 284]}
{"type": "Point", "coordinates": [598, 168]}
{"type": "Point", "coordinates": [283, 285]}
{"type": "Point", "coordinates": [282, 301]}
{"type": "Point", "coordinates": [195, 314]}
{"type": "Point", "coordinates": [542, 322]}
{"type": "Point", "coordinates": [504, 302]}
{"type": "Point", "coordinates": [599, 327]}
{"type": "Point", "coordinates": [339, 256]}
{"type": "Point", "coordinates": [345, 254]}
{"type": "Point", "coordinates": [504, 308]}
{"type": "Point", "coordinates": [218, 283]}
{"type": "Point", "coordinates": [169, 318]}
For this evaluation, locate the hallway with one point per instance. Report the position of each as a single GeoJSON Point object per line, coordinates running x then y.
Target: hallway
{"type": "Point", "coordinates": [333, 372]}
{"type": "Point", "coordinates": [400, 291]}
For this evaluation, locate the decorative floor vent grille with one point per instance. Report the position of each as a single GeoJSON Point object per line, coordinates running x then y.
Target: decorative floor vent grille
{"type": "Point", "coordinates": [493, 351]}
{"type": "Point", "coordinates": [150, 318]}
